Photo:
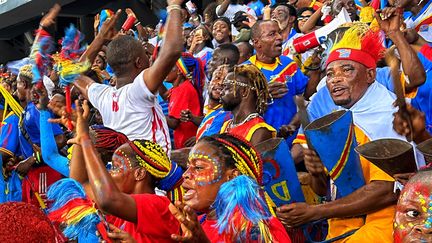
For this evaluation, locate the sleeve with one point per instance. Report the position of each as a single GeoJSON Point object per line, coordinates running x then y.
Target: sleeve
{"type": "Point", "coordinates": [426, 50]}
{"type": "Point", "coordinates": [179, 101]}
{"type": "Point", "coordinates": [300, 81]}
{"type": "Point", "coordinates": [9, 136]}
{"type": "Point", "coordinates": [153, 210]}
{"type": "Point", "coordinates": [49, 150]}
{"type": "Point", "coordinates": [383, 76]}
{"type": "Point", "coordinates": [95, 92]}
{"type": "Point", "coordinates": [139, 93]}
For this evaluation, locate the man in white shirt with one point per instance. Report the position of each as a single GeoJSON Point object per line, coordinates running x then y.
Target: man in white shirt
{"type": "Point", "coordinates": [131, 107]}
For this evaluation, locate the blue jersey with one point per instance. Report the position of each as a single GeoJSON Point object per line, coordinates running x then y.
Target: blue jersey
{"type": "Point", "coordinates": [9, 135]}
{"type": "Point", "coordinates": [31, 126]}
{"type": "Point", "coordinates": [285, 70]}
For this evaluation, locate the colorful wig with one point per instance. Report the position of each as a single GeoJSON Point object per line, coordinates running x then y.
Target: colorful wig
{"type": "Point", "coordinates": [23, 222]}
{"type": "Point", "coordinates": [72, 208]}
{"type": "Point", "coordinates": [360, 44]}
{"type": "Point", "coordinates": [154, 159]}
{"type": "Point", "coordinates": [193, 69]}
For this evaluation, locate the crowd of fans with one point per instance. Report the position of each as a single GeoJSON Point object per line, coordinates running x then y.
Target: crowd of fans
{"type": "Point", "coordinates": [255, 121]}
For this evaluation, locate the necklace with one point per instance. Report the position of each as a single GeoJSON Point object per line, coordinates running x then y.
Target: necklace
{"type": "Point", "coordinates": [248, 118]}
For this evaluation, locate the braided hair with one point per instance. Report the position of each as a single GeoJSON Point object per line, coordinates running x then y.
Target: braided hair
{"type": "Point", "coordinates": [154, 159]}
{"type": "Point", "coordinates": [107, 138]}
{"type": "Point", "coordinates": [238, 153]}
{"type": "Point", "coordinates": [195, 73]}
{"type": "Point", "coordinates": [257, 81]}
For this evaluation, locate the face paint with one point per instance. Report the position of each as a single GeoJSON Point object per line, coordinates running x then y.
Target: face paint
{"type": "Point", "coordinates": [120, 163]}
{"type": "Point", "coordinates": [207, 168]}
{"type": "Point", "coordinates": [413, 221]}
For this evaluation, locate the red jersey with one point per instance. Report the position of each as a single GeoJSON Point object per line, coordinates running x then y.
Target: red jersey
{"type": "Point", "coordinates": [181, 98]}
{"type": "Point", "coordinates": [155, 223]}
{"type": "Point", "coordinates": [247, 129]}
{"type": "Point", "coordinates": [276, 229]}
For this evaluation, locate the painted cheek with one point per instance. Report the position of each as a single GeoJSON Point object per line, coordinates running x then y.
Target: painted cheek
{"type": "Point", "coordinates": [211, 176]}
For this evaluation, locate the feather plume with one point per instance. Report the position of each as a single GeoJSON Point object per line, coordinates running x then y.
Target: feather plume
{"type": "Point", "coordinates": [72, 208]}
{"type": "Point", "coordinates": [40, 54]}
{"type": "Point", "coordinates": [241, 212]}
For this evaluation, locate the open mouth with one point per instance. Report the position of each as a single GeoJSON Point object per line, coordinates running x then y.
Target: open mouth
{"type": "Point", "coordinates": [336, 91]}
{"type": "Point", "coordinates": [189, 194]}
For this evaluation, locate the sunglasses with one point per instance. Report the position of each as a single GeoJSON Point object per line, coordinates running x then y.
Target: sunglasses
{"type": "Point", "coordinates": [300, 18]}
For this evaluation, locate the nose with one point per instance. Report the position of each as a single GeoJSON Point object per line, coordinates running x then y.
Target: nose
{"type": "Point", "coordinates": [186, 174]}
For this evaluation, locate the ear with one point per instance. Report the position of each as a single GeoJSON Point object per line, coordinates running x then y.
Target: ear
{"type": "Point", "coordinates": [255, 43]}
{"type": "Point", "coordinates": [292, 19]}
{"type": "Point", "coordinates": [140, 174]}
{"type": "Point", "coordinates": [370, 75]}
{"type": "Point", "coordinates": [233, 173]}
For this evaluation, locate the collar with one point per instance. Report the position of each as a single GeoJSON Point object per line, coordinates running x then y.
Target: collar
{"type": "Point", "coordinates": [261, 65]}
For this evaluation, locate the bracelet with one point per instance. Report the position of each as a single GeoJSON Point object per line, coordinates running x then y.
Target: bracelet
{"type": "Point", "coordinates": [138, 23]}
{"type": "Point", "coordinates": [173, 7]}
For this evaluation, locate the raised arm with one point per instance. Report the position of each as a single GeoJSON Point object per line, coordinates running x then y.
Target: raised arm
{"type": "Point", "coordinates": [49, 150]}
{"type": "Point", "coordinates": [171, 49]}
{"type": "Point", "coordinates": [106, 33]}
{"type": "Point", "coordinates": [105, 193]}
{"type": "Point", "coordinates": [223, 7]}
{"type": "Point", "coordinates": [411, 64]}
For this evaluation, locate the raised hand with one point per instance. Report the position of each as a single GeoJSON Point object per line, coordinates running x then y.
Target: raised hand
{"type": "Point", "coordinates": [43, 98]}
{"type": "Point", "coordinates": [108, 31]}
{"type": "Point", "coordinates": [82, 128]}
{"type": "Point", "coordinates": [175, 2]}
{"type": "Point", "coordinates": [191, 228]}
{"type": "Point", "coordinates": [130, 12]}
{"type": "Point", "coordinates": [389, 19]}
{"type": "Point", "coordinates": [49, 19]}
{"type": "Point", "coordinates": [96, 22]}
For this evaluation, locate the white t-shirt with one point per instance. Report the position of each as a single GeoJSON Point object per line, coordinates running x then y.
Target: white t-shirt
{"type": "Point", "coordinates": [133, 110]}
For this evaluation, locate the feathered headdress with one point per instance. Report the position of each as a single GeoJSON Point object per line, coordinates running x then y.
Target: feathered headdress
{"type": "Point", "coordinates": [360, 44]}
{"type": "Point", "coordinates": [72, 208]}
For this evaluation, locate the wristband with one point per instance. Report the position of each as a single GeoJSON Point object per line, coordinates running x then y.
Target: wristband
{"type": "Point", "coordinates": [138, 23]}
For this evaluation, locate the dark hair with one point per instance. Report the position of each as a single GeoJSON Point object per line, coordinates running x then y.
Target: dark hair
{"type": "Point", "coordinates": [299, 13]}
{"type": "Point", "coordinates": [291, 9]}
{"type": "Point", "coordinates": [248, 45]}
{"type": "Point", "coordinates": [233, 53]}
{"type": "Point", "coordinates": [121, 52]}
{"type": "Point", "coordinates": [256, 29]}
{"type": "Point", "coordinates": [224, 19]}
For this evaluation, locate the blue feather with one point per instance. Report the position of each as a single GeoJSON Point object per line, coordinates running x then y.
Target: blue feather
{"type": "Point", "coordinates": [63, 191]}
{"type": "Point", "coordinates": [241, 193]}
